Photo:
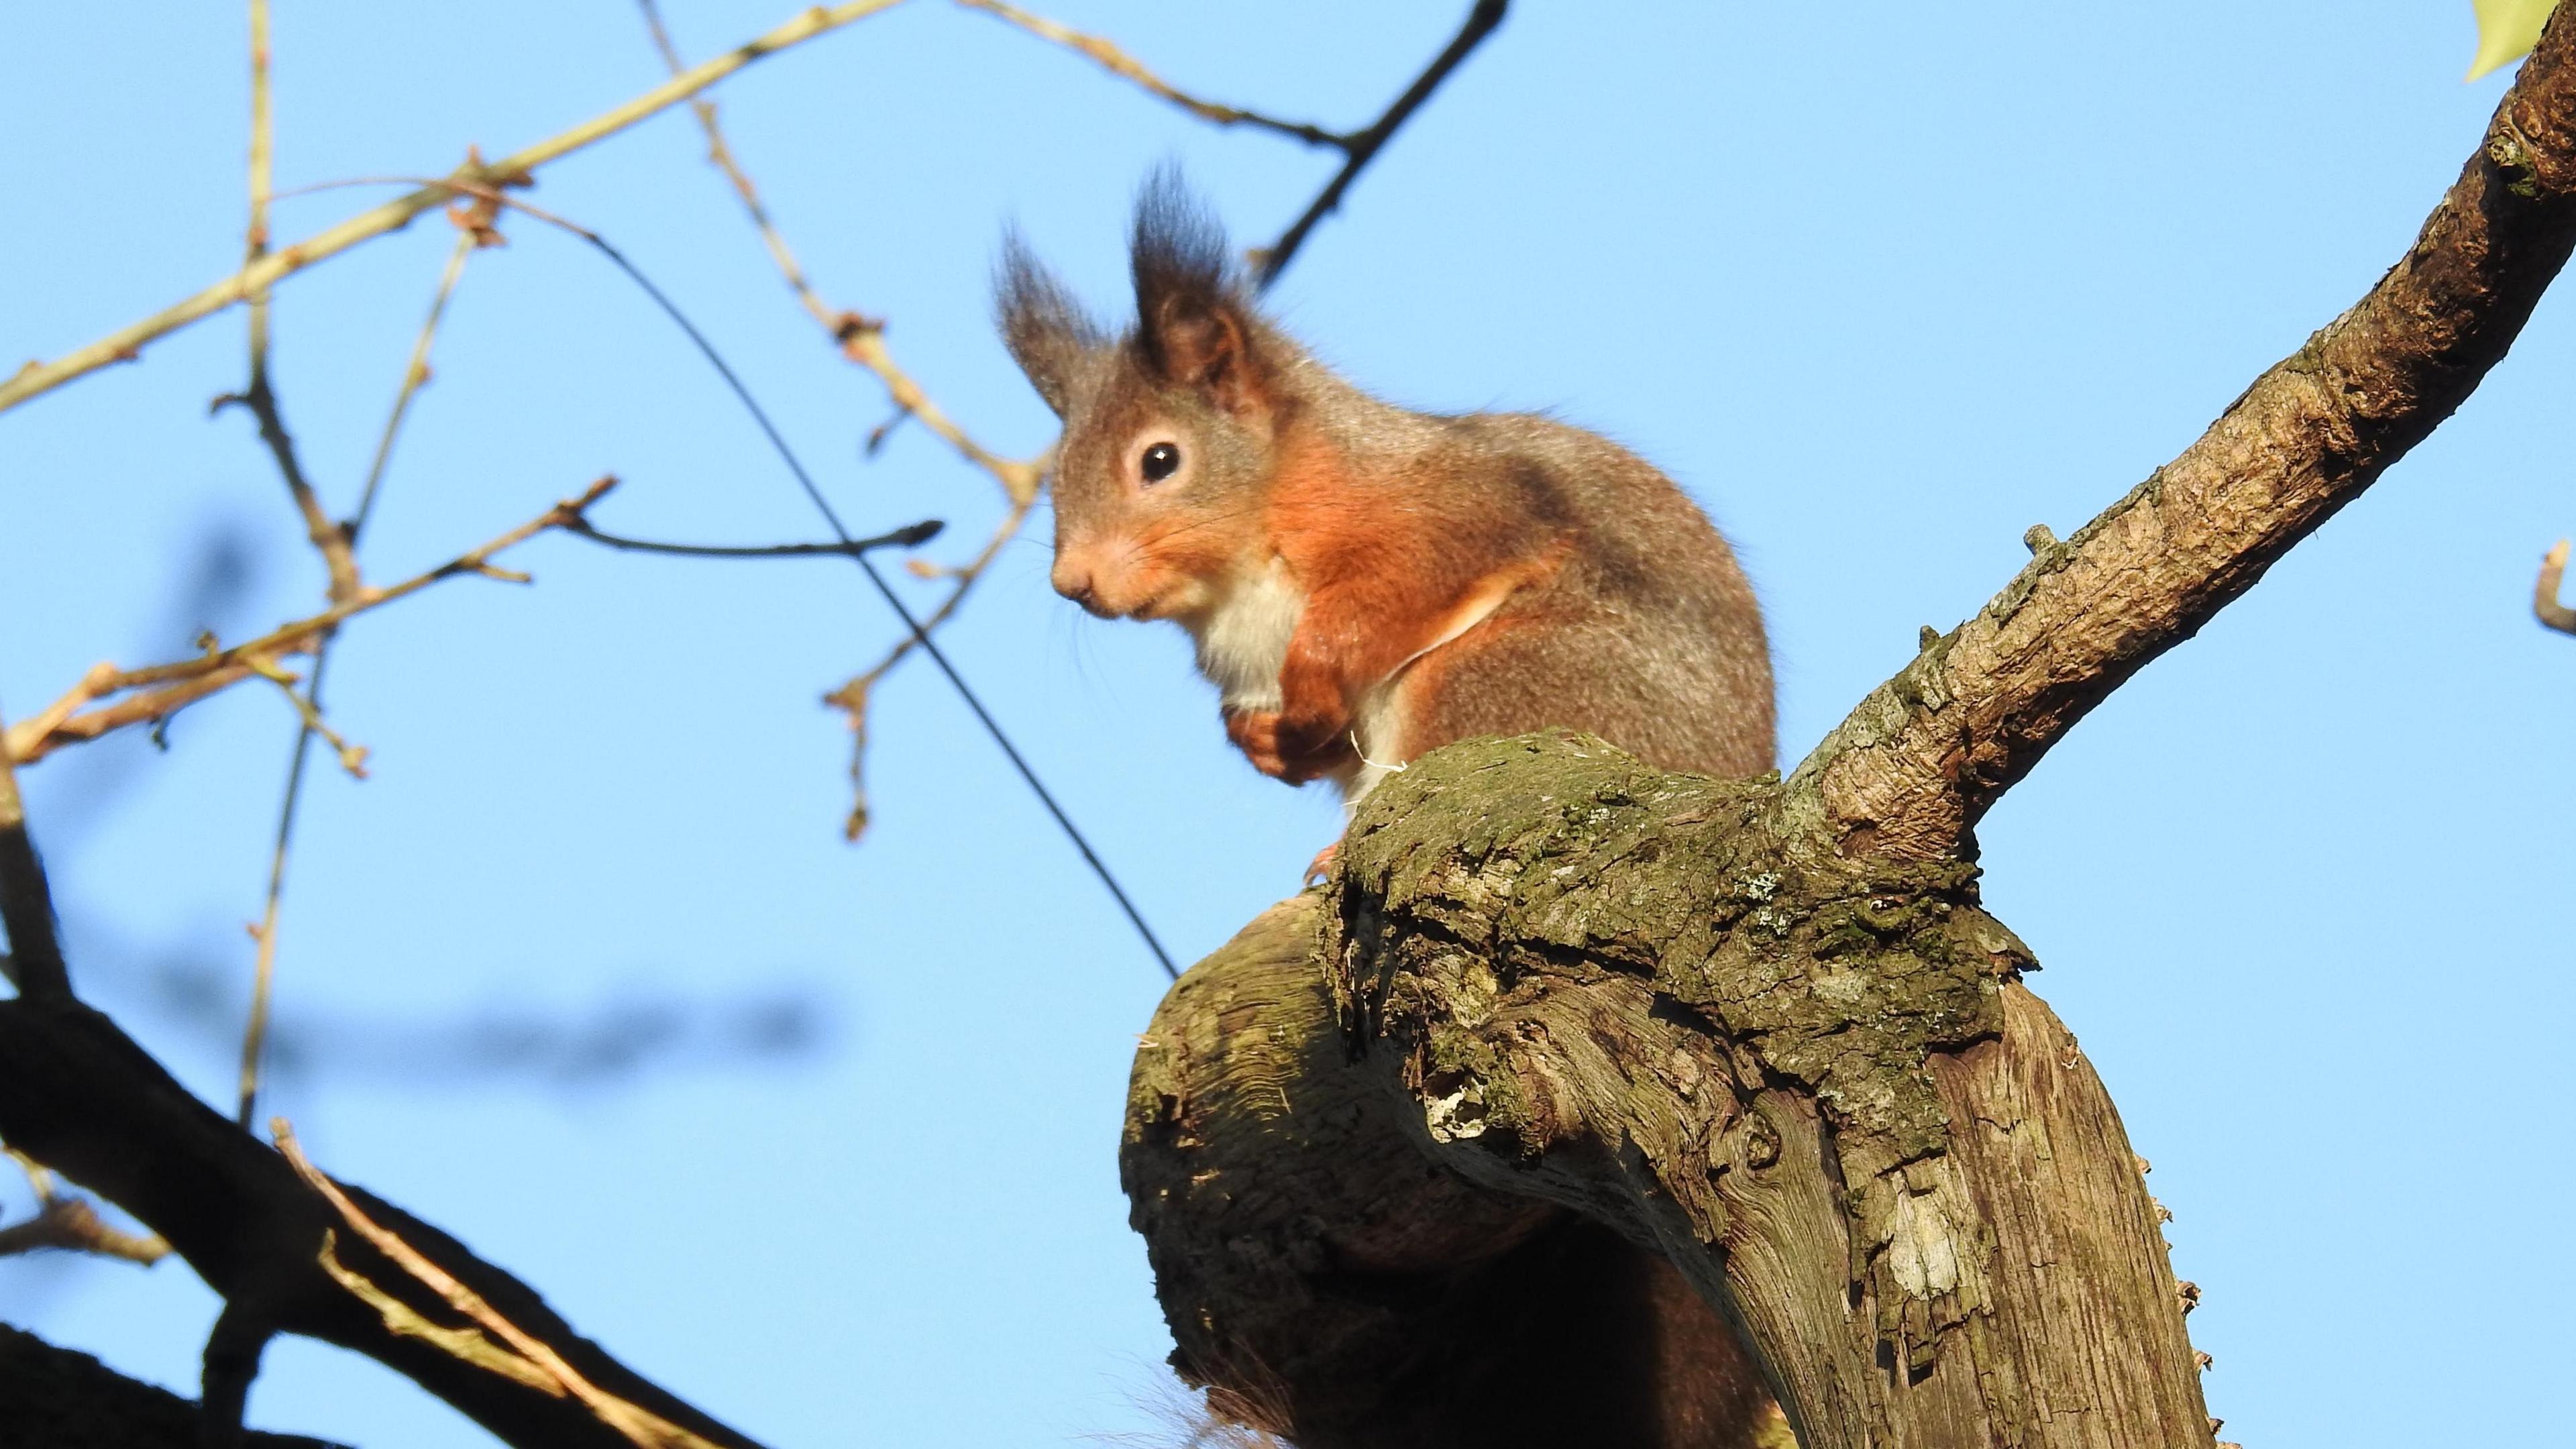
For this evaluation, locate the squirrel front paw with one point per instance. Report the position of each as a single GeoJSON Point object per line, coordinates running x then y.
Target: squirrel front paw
{"type": "Point", "coordinates": [1282, 750]}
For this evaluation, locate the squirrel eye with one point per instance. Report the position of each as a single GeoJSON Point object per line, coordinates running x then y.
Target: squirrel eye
{"type": "Point", "coordinates": [1161, 461]}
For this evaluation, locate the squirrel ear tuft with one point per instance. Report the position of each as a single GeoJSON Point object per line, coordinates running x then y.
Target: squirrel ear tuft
{"type": "Point", "coordinates": [1042, 325]}
{"type": "Point", "coordinates": [1193, 326]}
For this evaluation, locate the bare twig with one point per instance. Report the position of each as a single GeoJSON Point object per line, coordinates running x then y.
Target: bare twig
{"type": "Point", "coordinates": [639, 1425]}
{"type": "Point", "coordinates": [852, 698]}
{"type": "Point", "coordinates": [353, 758]}
{"type": "Point", "coordinates": [2544, 595]}
{"type": "Point", "coordinates": [909, 537]}
{"type": "Point", "coordinates": [328, 538]}
{"type": "Point", "coordinates": [164, 688]}
{"type": "Point", "coordinates": [860, 338]}
{"type": "Point", "coordinates": [254, 1049]}
{"type": "Point", "coordinates": [35, 959]}
{"type": "Point", "coordinates": [1912, 769]}
{"type": "Point", "coordinates": [1119, 63]}
{"type": "Point", "coordinates": [126, 342]}
{"type": "Point", "coordinates": [71, 1225]}
{"type": "Point", "coordinates": [1362, 146]}
{"type": "Point", "coordinates": [415, 375]}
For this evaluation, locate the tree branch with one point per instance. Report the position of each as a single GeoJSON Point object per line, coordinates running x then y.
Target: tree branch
{"type": "Point", "coordinates": [163, 689]}
{"type": "Point", "coordinates": [1913, 768]}
{"type": "Point", "coordinates": [54, 1396]}
{"type": "Point", "coordinates": [1361, 147]}
{"type": "Point", "coordinates": [329, 539]}
{"type": "Point", "coordinates": [860, 338]}
{"type": "Point", "coordinates": [79, 1096]}
{"type": "Point", "coordinates": [911, 536]}
{"type": "Point", "coordinates": [1119, 63]}
{"type": "Point", "coordinates": [534, 1359]}
{"type": "Point", "coordinates": [69, 1224]}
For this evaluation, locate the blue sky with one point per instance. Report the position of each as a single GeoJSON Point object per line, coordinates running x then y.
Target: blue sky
{"type": "Point", "coordinates": [1881, 287]}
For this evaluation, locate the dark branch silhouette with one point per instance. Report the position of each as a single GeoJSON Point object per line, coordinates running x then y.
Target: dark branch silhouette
{"type": "Point", "coordinates": [1361, 147]}
{"type": "Point", "coordinates": [911, 537]}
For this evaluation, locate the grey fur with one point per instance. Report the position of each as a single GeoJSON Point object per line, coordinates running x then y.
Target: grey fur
{"type": "Point", "coordinates": [1046, 331]}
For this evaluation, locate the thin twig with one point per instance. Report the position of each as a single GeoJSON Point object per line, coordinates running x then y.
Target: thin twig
{"type": "Point", "coordinates": [254, 1049]}
{"type": "Point", "coordinates": [852, 698]}
{"type": "Point", "coordinates": [1364, 145]}
{"type": "Point", "coordinates": [415, 375]}
{"type": "Point", "coordinates": [35, 959]}
{"type": "Point", "coordinates": [814, 494]}
{"type": "Point", "coordinates": [258, 395]}
{"type": "Point", "coordinates": [860, 338]}
{"type": "Point", "coordinates": [70, 1224]}
{"type": "Point", "coordinates": [640, 1426]}
{"type": "Point", "coordinates": [184, 681]}
{"type": "Point", "coordinates": [910, 537]}
{"type": "Point", "coordinates": [1120, 63]}
{"type": "Point", "coordinates": [126, 343]}
{"type": "Point", "coordinates": [353, 758]}
{"type": "Point", "coordinates": [2544, 595]}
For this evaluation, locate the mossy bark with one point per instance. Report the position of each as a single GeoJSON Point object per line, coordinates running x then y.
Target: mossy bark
{"type": "Point", "coordinates": [1548, 984]}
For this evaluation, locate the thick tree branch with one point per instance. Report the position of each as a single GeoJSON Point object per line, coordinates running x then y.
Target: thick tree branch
{"type": "Point", "coordinates": [79, 1096]}
{"type": "Point", "coordinates": [54, 1396]}
{"type": "Point", "coordinates": [1915, 766]}
{"type": "Point", "coordinates": [1327, 1280]}
{"type": "Point", "coordinates": [1549, 980]}
{"type": "Point", "coordinates": [35, 959]}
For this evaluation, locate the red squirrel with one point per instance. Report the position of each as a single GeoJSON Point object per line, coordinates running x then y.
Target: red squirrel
{"type": "Point", "coordinates": [1366, 583]}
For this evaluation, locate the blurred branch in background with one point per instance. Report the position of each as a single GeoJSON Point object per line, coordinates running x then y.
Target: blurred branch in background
{"type": "Point", "coordinates": [634, 1032]}
{"type": "Point", "coordinates": [2544, 595]}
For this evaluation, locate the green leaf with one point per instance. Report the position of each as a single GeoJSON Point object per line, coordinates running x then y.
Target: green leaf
{"type": "Point", "coordinates": [2507, 29]}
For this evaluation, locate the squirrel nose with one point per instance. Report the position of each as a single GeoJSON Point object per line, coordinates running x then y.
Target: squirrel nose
{"type": "Point", "coordinates": [1074, 581]}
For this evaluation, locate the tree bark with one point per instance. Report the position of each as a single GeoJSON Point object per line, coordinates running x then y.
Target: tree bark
{"type": "Point", "coordinates": [1549, 980]}
{"type": "Point", "coordinates": [54, 1398]}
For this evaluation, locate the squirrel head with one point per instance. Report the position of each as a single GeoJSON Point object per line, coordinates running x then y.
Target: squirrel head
{"type": "Point", "coordinates": [1170, 431]}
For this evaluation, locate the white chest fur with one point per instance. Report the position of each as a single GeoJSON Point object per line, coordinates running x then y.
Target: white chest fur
{"type": "Point", "coordinates": [1243, 636]}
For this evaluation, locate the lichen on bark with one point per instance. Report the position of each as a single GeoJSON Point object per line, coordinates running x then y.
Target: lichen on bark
{"type": "Point", "coordinates": [1834, 975]}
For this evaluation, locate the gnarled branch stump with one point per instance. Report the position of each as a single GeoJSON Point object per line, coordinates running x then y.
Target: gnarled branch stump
{"type": "Point", "coordinates": [1552, 992]}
